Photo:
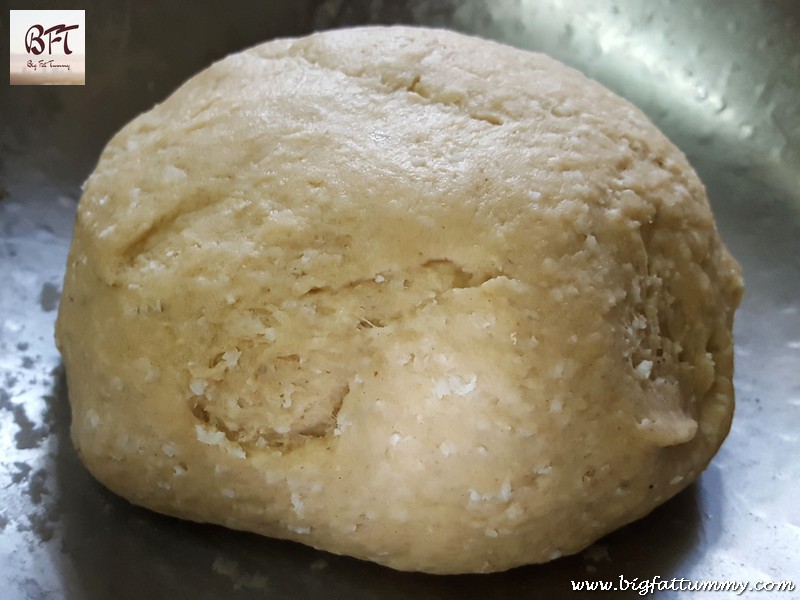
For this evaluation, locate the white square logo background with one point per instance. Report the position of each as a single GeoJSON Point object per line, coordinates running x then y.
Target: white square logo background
{"type": "Point", "coordinates": [47, 47]}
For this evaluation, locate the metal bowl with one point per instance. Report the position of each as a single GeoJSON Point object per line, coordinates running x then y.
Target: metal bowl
{"type": "Point", "coordinates": [721, 78]}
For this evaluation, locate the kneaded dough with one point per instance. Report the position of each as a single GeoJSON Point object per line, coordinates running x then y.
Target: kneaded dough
{"type": "Point", "coordinates": [401, 294]}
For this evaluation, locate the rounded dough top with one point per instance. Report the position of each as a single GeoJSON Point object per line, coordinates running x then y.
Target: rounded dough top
{"type": "Point", "coordinates": [402, 294]}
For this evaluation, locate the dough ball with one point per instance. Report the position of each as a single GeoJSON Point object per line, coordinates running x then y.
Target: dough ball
{"type": "Point", "coordinates": [400, 294]}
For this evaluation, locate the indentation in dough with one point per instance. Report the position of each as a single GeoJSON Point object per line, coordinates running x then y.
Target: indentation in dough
{"type": "Point", "coordinates": [417, 87]}
{"type": "Point", "coordinates": [393, 85]}
{"type": "Point", "coordinates": [667, 355]}
{"type": "Point", "coordinates": [283, 390]}
{"type": "Point", "coordinates": [170, 223]}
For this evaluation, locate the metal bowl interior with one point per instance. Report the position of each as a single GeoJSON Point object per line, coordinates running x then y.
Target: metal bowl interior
{"type": "Point", "coordinates": [722, 80]}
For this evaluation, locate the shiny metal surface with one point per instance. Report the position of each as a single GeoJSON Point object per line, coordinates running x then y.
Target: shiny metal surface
{"type": "Point", "coordinates": [721, 78]}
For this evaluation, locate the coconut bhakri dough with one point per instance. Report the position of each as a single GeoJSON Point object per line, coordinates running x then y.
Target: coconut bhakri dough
{"type": "Point", "coordinates": [401, 294]}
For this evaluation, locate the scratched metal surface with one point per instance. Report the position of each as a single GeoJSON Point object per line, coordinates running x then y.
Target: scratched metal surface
{"type": "Point", "coordinates": [721, 78]}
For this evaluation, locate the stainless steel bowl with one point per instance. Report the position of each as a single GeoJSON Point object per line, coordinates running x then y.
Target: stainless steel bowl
{"type": "Point", "coordinates": [721, 78]}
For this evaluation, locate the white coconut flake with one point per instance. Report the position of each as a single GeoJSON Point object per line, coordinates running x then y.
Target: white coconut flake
{"type": "Point", "coordinates": [556, 406]}
{"type": "Point", "coordinates": [490, 533]}
{"type": "Point", "coordinates": [235, 450]}
{"type": "Point", "coordinates": [476, 496]}
{"type": "Point", "coordinates": [342, 423]}
{"type": "Point", "coordinates": [198, 386]}
{"type": "Point", "coordinates": [427, 221]}
{"type": "Point", "coordinates": [448, 448]}
{"type": "Point", "coordinates": [208, 436]}
{"type": "Point", "coordinates": [379, 278]}
{"type": "Point", "coordinates": [168, 449]}
{"type": "Point", "coordinates": [231, 358]}
{"type": "Point", "coordinates": [172, 174]}
{"type": "Point", "coordinates": [676, 480]}
{"type": "Point", "coordinates": [284, 217]}
{"type": "Point", "coordinates": [228, 492]}
{"type": "Point", "coordinates": [395, 439]}
{"type": "Point", "coordinates": [514, 513]}
{"type": "Point", "coordinates": [107, 231]}
{"type": "Point", "coordinates": [179, 470]}
{"type": "Point", "coordinates": [454, 386]}
{"type": "Point", "coordinates": [297, 503]}
{"type": "Point", "coordinates": [644, 369]}
{"type": "Point", "coordinates": [93, 418]}
{"type": "Point", "coordinates": [505, 491]}
{"type": "Point", "coordinates": [300, 530]}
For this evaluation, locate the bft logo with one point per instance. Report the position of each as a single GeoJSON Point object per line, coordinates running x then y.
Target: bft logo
{"type": "Point", "coordinates": [48, 47]}
{"type": "Point", "coordinates": [34, 42]}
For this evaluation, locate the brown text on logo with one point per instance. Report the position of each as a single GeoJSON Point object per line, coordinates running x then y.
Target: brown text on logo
{"type": "Point", "coordinates": [35, 38]}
